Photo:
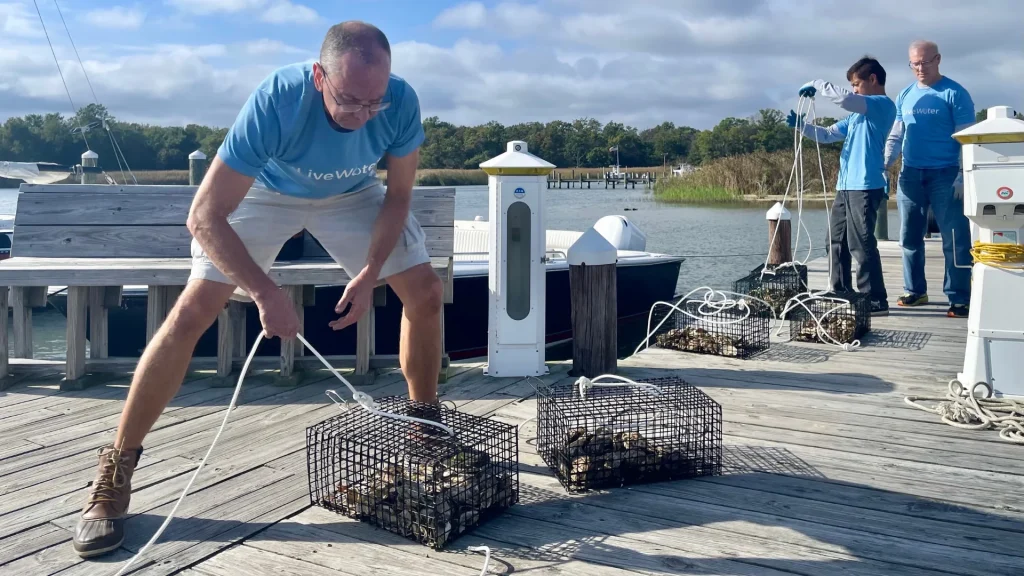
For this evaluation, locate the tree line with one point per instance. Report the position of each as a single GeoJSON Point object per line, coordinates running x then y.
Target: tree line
{"type": "Point", "coordinates": [584, 142]}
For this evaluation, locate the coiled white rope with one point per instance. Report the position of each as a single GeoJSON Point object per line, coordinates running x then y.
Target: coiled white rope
{"type": "Point", "coordinates": [362, 398]}
{"type": "Point", "coordinates": [961, 408]}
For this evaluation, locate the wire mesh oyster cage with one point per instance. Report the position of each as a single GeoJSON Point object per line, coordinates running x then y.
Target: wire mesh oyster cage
{"type": "Point", "coordinates": [412, 478]}
{"type": "Point", "coordinates": [831, 318]}
{"type": "Point", "coordinates": [776, 286]}
{"type": "Point", "coordinates": [736, 328]}
{"type": "Point", "coordinates": [620, 433]}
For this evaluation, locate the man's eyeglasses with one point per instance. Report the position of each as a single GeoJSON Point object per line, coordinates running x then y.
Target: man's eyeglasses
{"type": "Point", "coordinates": [351, 107]}
{"type": "Point", "coordinates": [923, 63]}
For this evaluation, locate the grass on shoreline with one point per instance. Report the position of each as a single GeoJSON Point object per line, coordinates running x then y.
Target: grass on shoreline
{"type": "Point", "coordinates": [760, 177]}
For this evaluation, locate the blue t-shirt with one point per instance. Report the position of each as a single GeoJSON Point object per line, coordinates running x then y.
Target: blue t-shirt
{"type": "Point", "coordinates": [284, 138]}
{"type": "Point", "coordinates": [930, 115]}
{"type": "Point", "coordinates": [862, 160]}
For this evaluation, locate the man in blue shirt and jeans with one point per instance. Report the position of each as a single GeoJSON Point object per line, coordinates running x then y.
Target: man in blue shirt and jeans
{"type": "Point", "coordinates": [929, 112]}
{"type": "Point", "coordinates": [860, 188]}
{"type": "Point", "coordinates": [302, 154]}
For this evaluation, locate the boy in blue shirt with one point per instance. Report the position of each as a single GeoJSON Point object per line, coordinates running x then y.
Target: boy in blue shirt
{"type": "Point", "coordinates": [860, 188]}
{"type": "Point", "coordinates": [929, 112]}
{"type": "Point", "coordinates": [302, 154]}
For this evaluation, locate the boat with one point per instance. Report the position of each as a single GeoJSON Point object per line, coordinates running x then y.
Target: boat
{"type": "Point", "coordinates": [642, 277]}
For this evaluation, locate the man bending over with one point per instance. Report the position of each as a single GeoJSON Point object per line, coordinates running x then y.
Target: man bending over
{"type": "Point", "coordinates": [861, 185]}
{"type": "Point", "coordinates": [301, 154]}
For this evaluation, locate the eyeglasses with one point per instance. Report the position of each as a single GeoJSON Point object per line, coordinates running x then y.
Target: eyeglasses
{"type": "Point", "coordinates": [923, 63]}
{"type": "Point", "coordinates": [351, 107]}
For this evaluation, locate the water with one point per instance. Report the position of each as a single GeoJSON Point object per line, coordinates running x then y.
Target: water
{"type": "Point", "coordinates": [721, 243]}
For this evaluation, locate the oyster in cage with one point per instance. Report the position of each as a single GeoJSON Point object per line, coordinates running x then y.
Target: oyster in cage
{"type": "Point", "coordinates": [838, 327]}
{"type": "Point", "coordinates": [776, 297]}
{"type": "Point", "coordinates": [699, 340]}
{"type": "Point", "coordinates": [361, 498]}
{"type": "Point", "coordinates": [607, 458]}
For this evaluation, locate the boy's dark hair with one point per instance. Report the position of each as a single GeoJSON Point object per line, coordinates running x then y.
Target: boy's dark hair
{"type": "Point", "coordinates": [864, 68]}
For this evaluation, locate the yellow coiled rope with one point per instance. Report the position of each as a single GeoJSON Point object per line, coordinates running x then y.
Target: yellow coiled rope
{"type": "Point", "coordinates": [1007, 256]}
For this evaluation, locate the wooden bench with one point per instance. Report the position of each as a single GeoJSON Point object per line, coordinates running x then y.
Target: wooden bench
{"type": "Point", "coordinates": [96, 239]}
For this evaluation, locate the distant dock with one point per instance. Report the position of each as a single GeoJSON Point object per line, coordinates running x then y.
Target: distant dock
{"type": "Point", "coordinates": [607, 180]}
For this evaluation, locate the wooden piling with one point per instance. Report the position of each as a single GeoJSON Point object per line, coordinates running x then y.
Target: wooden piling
{"type": "Point", "coordinates": [90, 159]}
{"type": "Point", "coordinates": [882, 222]}
{"type": "Point", "coordinates": [197, 164]}
{"type": "Point", "coordinates": [593, 297]}
{"type": "Point", "coordinates": [779, 235]}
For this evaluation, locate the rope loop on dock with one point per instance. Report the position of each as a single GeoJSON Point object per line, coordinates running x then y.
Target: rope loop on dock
{"type": "Point", "coordinates": [962, 408]}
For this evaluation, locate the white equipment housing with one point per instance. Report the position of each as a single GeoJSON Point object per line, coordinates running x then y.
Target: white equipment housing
{"type": "Point", "coordinates": [622, 234]}
{"type": "Point", "coordinates": [993, 161]}
{"type": "Point", "coordinates": [516, 262]}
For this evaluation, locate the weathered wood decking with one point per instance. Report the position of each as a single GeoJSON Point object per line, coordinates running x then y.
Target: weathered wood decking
{"type": "Point", "coordinates": [828, 473]}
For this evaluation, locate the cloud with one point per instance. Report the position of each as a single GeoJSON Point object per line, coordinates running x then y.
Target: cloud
{"type": "Point", "coordinates": [691, 62]}
{"type": "Point", "coordinates": [694, 61]}
{"type": "Point", "coordinates": [265, 46]}
{"type": "Point", "coordinates": [17, 22]}
{"type": "Point", "coordinates": [285, 12]}
{"type": "Point", "coordinates": [116, 17]}
{"type": "Point", "coordinates": [272, 11]}
{"type": "Point", "coordinates": [468, 15]}
{"type": "Point", "coordinates": [508, 18]}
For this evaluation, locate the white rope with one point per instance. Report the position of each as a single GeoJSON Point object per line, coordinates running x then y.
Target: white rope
{"type": "Point", "coordinates": [961, 408]}
{"type": "Point", "coordinates": [708, 309]}
{"type": "Point", "coordinates": [584, 384]}
{"type": "Point", "coordinates": [487, 556]}
{"type": "Point", "coordinates": [362, 398]}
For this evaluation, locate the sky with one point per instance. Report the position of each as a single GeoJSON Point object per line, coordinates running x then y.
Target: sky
{"type": "Point", "coordinates": [639, 62]}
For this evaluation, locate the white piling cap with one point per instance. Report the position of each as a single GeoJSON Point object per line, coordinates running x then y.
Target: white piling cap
{"type": "Point", "coordinates": [592, 249]}
{"type": "Point", "coordinates": [777, 212]}
{"type": "Point", "coordinates": [998, 127]}
{"type": "Point", "coordinates": [516, 160]}
{"type": "Point", "coordinates": [197, 155]}
{"type": "Point", "coordinates": [90, 154]}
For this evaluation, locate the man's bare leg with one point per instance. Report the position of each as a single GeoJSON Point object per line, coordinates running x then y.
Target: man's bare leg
{"type": "Point", "coordinates": [419, 354]}
{"type": "Point", "coordinates": [165, 360]}
{"type": "Point", "coordinates": [157, 379]}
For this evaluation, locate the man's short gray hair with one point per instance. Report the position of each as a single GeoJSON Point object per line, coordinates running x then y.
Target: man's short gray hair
{"type": "Point", "coordinates": [926, 45]}
{"type": "Point", "coordinates": [364, 39]}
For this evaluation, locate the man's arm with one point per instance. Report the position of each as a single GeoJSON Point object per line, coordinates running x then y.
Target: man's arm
{"type": "Point", "coordinates": [826, 135]}
{"type": "Point", "coordinates": [962, 106]}
{"type": "Point", "coordinates": [219, 194]}
{"type": "Point", "coordinates": [841, 96]}
{"type": "Point", "coordinates": [894, 143]}
{"type": "Point", "coordinates": [394, 211]}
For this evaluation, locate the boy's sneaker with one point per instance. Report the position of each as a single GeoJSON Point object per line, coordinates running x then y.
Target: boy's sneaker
{"type": "Point", "coordinates": [909, 299]}
{"type": "Point", "coordinates": [101, 526]}
{"type": "Point", "coordinates": [958, 311]}
{"type": "Point", "coordinates": [879, 308]}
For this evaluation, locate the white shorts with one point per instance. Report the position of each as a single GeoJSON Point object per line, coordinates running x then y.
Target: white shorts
{"type": "Point", "coordinates": [265, 220]}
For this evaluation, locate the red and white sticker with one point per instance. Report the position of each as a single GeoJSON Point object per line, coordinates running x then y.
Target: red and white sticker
{"type": "Point", "coordinates": [1004, 193]}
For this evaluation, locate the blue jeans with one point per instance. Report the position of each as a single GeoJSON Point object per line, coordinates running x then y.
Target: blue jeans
{"type": "Point", "coordinates": [919, 188]}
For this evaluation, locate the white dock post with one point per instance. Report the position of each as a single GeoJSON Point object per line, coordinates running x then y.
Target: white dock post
{"type": "Point", "coordinates": [516, 262]}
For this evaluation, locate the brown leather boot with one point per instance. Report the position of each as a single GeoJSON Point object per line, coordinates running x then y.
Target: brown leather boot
{"type": "Point", "coordinates": [101, 528]}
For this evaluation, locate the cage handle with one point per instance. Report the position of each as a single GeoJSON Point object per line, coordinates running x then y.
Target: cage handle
{"type": "Point", "coordinates": [584, 383]}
